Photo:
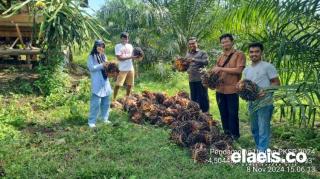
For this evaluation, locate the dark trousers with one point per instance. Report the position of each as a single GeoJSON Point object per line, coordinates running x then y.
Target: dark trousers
{"type": "Point", "coordinates": [199, 94]}
{"type": "Point", "coordinates": [229, 106]}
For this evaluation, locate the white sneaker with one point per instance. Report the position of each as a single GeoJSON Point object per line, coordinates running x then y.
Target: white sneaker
{"type": "Point", "coordinates": [92, 125]}
{"type": "Point", "coordinates": [107, 122]}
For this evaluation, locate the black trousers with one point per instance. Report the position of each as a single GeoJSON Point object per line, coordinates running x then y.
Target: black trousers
{"type": "Point", "coordinates": [199, 94]}
{"type": "Point", "coordinates": [229, 107]}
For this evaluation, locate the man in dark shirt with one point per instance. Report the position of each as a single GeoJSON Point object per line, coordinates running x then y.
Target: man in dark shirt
{"type": "Point", "coordinates": [198, 59]}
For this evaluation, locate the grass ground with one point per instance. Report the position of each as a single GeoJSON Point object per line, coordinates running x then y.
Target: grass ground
{"type": "Point", "coordinates": [48, 137]}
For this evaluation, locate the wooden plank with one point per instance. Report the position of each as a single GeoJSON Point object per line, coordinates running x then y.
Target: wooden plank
{"type": "Point", "coordinates": [13, 28]}
{"type": "Point", "coordinates": [14, 34]}
{"type": "Point", "coordinates": [9, 24]}
{"type": "Point", "coordinates": [21, 19]}
{"type": "Point", "coordinates": [29, 66]}
{"type": "Point", "coordinates": [10, 31]}
{"type": "Point", "coordinates": [20, 51]}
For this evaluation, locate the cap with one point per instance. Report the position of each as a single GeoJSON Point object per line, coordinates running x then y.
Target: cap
{"type": "Point", "coordinates": [99, 42]}
{"type": "Point", "coordinates": [194, 39]}
{"type": "Point", "coordinates": [124, 34]}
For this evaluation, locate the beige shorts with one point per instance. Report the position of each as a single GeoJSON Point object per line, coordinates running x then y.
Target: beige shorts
{"type": "Point", "coordinates": [125, 76]}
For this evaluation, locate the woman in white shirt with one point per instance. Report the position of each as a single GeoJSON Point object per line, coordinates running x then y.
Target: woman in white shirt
{"type": "Point", "coordinates": [100, 85]}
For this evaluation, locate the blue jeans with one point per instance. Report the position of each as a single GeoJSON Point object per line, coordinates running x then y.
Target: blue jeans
{"type": "Point", "coordinates": [98, 103]}
{"type": "Point", "coordinates": [260, 126]}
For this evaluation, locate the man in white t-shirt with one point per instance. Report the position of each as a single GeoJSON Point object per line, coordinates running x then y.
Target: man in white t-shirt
{"type": "Point", "coordinates": [123, 52]}
{"type": "Point", "coordinates": [264, 74]}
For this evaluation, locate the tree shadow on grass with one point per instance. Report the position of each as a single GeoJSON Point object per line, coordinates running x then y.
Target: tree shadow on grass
{"type": "Point", "coordinates": [17, 81]}
{"type": "Point", "coordinates": [50, 129]}
{"type": "Point", "coordinates": [116, 117]}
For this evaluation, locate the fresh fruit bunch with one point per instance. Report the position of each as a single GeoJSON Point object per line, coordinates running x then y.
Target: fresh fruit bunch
{"type": "Point", "coordinates": [200, 153]}
{"type": "Point", "coordinates": [210, 79]}
{"type": "Point", "coordinates": [179, 137]}
{"type": "Point", "coordinates": [138, 52]}
{"type": "Point", "coordinates": [181, 64]}
{"type": "Point", "coordinates": [112, 69]}
{"type": "Point", "coordinates": [248, 90]}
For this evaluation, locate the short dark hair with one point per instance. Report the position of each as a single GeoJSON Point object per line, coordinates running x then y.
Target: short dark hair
{"type": "Point", "coordinates": [226, 36]}
{"type": "Point", "coordinates": [256, 44]}
{"type": "Point", "coordinates": [124, 34]}
{"type": "Point", "coordinates": [192, 38]}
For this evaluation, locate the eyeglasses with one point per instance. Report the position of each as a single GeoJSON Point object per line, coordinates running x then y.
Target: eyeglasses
{"type": "Point", "coordinates": [102, 46]}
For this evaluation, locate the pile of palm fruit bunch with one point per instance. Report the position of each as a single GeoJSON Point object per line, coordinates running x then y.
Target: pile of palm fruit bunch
{"type": "Point", "coordinates": [210, 79]}
{"type": "Point", "coordinates": [181, 64]}
{"type": "Point", "coordinates": [111, 69]}
{"type": "Point", "coordinates": [190, 127]}
{"type": "Point", "coordinates": [248, 90]}
{"type": "Point", "coordinates": [138, 52]}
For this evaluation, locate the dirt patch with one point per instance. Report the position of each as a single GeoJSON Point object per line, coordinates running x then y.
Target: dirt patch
{"type": "Point", "coordinates": [13, 80]}
{"type": "Point", "coordinates": [22, 81]}
{"type": "Point", "coordinates": [33, 129]}
{"type": "Point", "coordinates": [7, 76]}
{"type": "Point", "coordinates": [76, 71]}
